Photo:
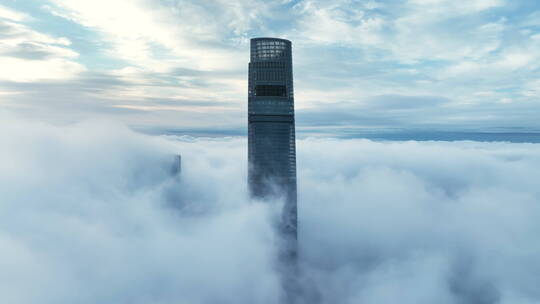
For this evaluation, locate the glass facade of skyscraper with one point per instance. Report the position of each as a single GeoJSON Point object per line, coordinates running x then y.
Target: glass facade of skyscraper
{"type": "Point", "coordinates": [271, 131]}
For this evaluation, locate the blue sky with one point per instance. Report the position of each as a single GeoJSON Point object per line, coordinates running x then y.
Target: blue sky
{"type": "Point", "coordinates": [359, 65]}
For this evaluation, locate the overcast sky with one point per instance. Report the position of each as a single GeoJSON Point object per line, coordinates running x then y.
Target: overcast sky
{"type": "Point", "coordinates": [417, 64]}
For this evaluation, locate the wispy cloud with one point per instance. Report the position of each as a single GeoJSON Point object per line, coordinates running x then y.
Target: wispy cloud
{"type": "Point", "coordinates": [28, 55]}
{"type": "Point", "coordinates": [477, 55]}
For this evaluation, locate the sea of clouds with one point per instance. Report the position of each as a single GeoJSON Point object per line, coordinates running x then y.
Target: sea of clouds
{"type": "Point", "coordinates": [90, 213]}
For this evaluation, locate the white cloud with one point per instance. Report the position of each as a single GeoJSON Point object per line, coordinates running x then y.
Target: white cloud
{"type": "Point", "coordinates": [185, 30]}
{"type": "Point", "coordinates": [395, 220]}
{"type": "Point", "coordinates": [152, 40]}
{"type": "Point", "coordinates": [91, 214]}
{"type": "Point", "coordinates": [100, 218]}
{"type": "Point", "coordinates": [414, 31]}
{"type": "Point", "coordinates": [338, 22]}
{"type": "Point", "coordinates": [456, 48]}
{"type": "Point", "coordinates": [139, 53]}
{"type": "Point", "coordinates": [532, 88]}
{"type": "Point", "coordinates": [6, 13]}
{"type": "Point", "coordinates": [20, 70]}
{"type": "Point", "coordinates": [458, 7]}
{"type": "Point", "coordinates": [27, 55]}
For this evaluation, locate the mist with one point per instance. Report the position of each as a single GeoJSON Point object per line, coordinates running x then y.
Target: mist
{"type": "Point", "coordinates": [91, 213]}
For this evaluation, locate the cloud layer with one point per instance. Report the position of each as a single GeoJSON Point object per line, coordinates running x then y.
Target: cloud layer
{"type": "Point", "coordinates": [420, 222]}
{"type": "Point", "coordinates": [91, 213]}
{"type": "Point", "coordinates": [164, 62]}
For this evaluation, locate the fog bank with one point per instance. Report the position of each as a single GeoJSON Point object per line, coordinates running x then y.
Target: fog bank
{"type": "Point", "coordinates": [90, 213]}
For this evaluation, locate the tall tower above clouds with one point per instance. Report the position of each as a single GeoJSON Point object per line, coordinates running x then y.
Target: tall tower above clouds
{"type": "Point", "coordinates": [271, 132]}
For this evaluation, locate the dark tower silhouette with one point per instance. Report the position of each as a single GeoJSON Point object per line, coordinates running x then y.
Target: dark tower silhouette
{"type": "Point", "coordinates": [271, 133]}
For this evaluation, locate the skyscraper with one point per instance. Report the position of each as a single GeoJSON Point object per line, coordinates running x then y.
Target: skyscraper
{"type": "Point", "coordinates": [271, 132]}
